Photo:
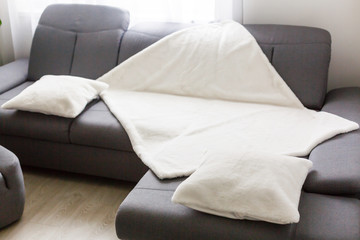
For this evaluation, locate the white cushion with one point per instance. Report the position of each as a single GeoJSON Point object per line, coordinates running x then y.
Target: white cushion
{"type": "Point", "coordinates": [60, 95]}
{"type": "Point", "coordinates": [253, 186]}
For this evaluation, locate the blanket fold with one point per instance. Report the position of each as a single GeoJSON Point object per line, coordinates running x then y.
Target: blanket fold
{"type": "Point", "coordinates": [209, 92]}
{"type": "Point", "coordinates": [214, 61]}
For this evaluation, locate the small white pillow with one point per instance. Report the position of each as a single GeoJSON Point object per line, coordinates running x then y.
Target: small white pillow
{"type": "Point", "coordinates": [254, 186]}
{"type": "Point", "coordinates": [64, 96]}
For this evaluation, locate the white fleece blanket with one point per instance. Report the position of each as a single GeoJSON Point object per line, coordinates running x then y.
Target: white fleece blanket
{"type": "Point", "coordinates": [208, 91]}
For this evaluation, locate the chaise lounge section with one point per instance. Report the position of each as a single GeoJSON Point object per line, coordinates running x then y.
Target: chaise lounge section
{"type": "Point", "coordinates": [94, 39]}
{"type": "Point", "coordinates": [322, 217]}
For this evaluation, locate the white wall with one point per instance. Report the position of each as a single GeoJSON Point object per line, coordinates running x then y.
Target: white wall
{"type": "Point", "coordinates": [228, 9]}
{"type": "Point", "coordinates": [340, 17]}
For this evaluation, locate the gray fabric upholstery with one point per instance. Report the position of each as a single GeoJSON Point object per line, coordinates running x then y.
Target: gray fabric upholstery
{"type": "Point", "coordinates": [12, 190]}
{"type": "Point", "coordinates": [304, 67]}
{"type": "Point", "coordinates": [77, 39]}
{"type": "Point", "coordinates": [301, 55]}
{"type": "Point", "coordinates": [57, 58]}
{"type": "Point", "coordinates": [328, 217]}
{"type": "Point", "coordinates": [13, 74]}
{"type": "Point", "coordinates": [268, 51]}
{"type": "Point", "coordinates": [97, 127]}
{"type": "Point", "coordinates": [287, 35]}
{"type": "Point", "coordinates": [143, 35]}
{"type": "Point", "coordinates": [336, 168]}
{"type": "Point", "coordinates": [94, 161]}
{"type": "Point", "coordinates": [32, 125]}
{"type": "Point", "coordinates": [149, 206]}
{"type": "Point", "coordinates": [95, 53]}
{"type": "Point", "coordinates": [84, 18]}
{"type": "Point", "coordinates": [344, 102]}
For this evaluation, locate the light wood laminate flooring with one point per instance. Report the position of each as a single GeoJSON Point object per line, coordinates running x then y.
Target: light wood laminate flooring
{"type": "Point", "coordinates": [63, 206]}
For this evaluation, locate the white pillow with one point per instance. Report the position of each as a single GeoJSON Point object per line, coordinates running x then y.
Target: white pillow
{"type": "Point", "coordinates": [60, 95]}
{"type": "Point", "coordinates": [253, 186]}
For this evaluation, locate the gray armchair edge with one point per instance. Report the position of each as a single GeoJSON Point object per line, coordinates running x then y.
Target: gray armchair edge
{"type": "Point", "coordinates": [13, 74]}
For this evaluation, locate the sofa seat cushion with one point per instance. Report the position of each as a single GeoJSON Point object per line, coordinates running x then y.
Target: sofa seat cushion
{"type": "Point", "coordinates": [336, 162]}
{"type": "Point", "coordinates": [97, 127]}
{"type": "Point", "coordinates": [31, 125]}
{"type": "Point", "coordinates": [149, 205]}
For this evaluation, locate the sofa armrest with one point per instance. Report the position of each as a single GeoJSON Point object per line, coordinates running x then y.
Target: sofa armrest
{"type": "Point", "coordinates": [12, 74]}
{"type": "Point", "coordinates": [10, 169]}
{"type": "Point", "coordinates": [336, 168]}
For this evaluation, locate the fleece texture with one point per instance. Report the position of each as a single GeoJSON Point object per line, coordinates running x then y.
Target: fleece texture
{"type": "Point", "coordinates": [248, 185]}
{"type": "Point", "coordinates": [60, 95]}
{"type": "Point", "coordinates": [207, 96]}
{"type": "Point", "coordinates": [206, 89]}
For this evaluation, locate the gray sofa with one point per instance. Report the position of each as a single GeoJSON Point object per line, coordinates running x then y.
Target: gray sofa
{"type": "Point", "coordinates": [88, 41]}
{"type": "Point", "coordinates": [12, 190]}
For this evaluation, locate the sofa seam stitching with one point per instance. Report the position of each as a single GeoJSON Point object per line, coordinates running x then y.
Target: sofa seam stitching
{"type": "Point", "coordinates": [291, 44]}
{"type": "Point", "coordinates": [67, 30]}
{"type": "Point", "coordinates": [119, 48]}
{"type": "Point", "coordinates": [70, 70]}
{"type": "Point", "coordinates": [156, 189]}
{"type": "Point", "coordinates": [73, 54]}
{"type": "Point", "coordinates": [146, 34]}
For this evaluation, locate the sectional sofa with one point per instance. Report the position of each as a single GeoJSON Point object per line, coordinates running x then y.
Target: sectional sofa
{"type": "Point", "coordinates": [88, 41]}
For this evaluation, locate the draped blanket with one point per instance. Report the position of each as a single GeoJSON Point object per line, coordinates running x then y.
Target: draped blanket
{"type": "Point", "coordinates": [210, 91]}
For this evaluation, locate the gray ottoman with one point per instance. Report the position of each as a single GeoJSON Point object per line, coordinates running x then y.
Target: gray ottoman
{"type": "Point", "coordinates": [12, 191]}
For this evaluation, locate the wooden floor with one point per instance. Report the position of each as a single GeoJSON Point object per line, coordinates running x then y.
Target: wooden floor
{"type": "Point", "coordinates": [63, 206]}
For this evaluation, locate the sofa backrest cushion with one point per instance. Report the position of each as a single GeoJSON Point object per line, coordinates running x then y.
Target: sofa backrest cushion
{"type": "Point", "coordinates": [77, 39]}
{"type": "Point", "coordinates": [301, 55]}
{"type": "Point", "coordinates": [143, 35]}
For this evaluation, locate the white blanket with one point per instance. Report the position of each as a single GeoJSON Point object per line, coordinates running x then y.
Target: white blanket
{"type": "Point", "coordinates": [208, 91]}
